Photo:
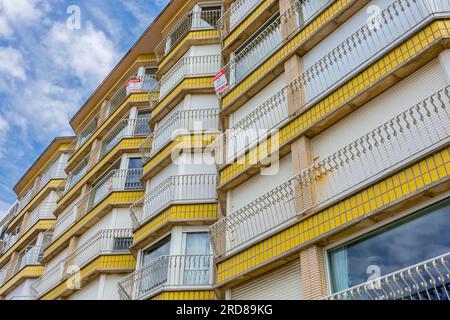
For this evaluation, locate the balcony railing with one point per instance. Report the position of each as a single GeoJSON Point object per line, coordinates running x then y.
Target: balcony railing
{"type": "Point", "coordinates": [402, 140]}
{"type": "Point", "coordinates": [126, 128]}
{"type": "Point", "coordinates": [184, 121]}
{"type": "Point", "coordinates": [270, 39]}
{"type": "Point", "coordinates": [190, 22]}
{"type": "Point", "coordinates": [188, 67]}
{"type": "Point", "coordinates": [195, 188]}
{"type": "Point", "coordinates": [105, 242]}
{"type": "Point", "coordinates": [428, 280]}
{"type": "Point", "coordinates": [31, 256]}
{"type": "Point", "coordinates": [238, 10]}
{"type": "Point", "coordinates": [148, 83]}
{"type": "Point", "coordinates": [116, 180]}
{"type": "Point", "coordinates": [168, 272]}
{"type": "Point", "coordinates": [54, 171]}
{"type": "Point", "coordinates": [397, 22]}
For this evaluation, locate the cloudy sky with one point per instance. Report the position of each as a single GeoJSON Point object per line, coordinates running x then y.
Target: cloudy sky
{"type": "Point", "coordinates": [48, 70]}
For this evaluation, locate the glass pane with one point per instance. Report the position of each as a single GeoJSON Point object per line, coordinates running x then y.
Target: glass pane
{"type": "Point", "coordinates": [133, 181]}
{"type": "Point", "coordinates": [411, 240]}
{"type": "Point", "coordinates": [197, 264]}
{"type": "Point", "coordinates": [197, 244]}
{"type": "Point", "coordinates": [162, 248]}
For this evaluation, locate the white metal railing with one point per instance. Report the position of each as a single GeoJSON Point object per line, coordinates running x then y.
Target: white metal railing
{"type": "Point", "coordinates": [111, 241]}
{"type": "Point", "coordinates": [195, 20]}
{"type": "Point", "coordinates": [398, 21]}
{"type": "Point", "coordinates": [187, 67]}
{"type": "Point", "coordinates": [194, 188]}
{"type": "Point", "coordinates": [183, 121]}
{"type": "Point", "coordinates": [30, 256]}
{"type": "Point", "coordinates": [237, 11]}
{"type": "Point", "coordinates": [10, 215]}
{"type": "Point", "coordinates": [428, 280]}
{"type": "Point", "coordinates": [125, 128]}
{"type": "Point", "coordinates": [77, 173]}
{"type": "Point", "coordinates": [168, 272]}
{"type": "Point", "coordinates": [410, 135]}
{"type": "Point", "coordinates": [116, 180]}
{"type": "Point", "coordinates": [148, 83]}
{"type": "Point", "coordinates": [270, 39]}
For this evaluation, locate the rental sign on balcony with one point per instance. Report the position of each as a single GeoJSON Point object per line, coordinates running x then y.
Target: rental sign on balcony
{"type": "Point", "coordinates": [220, 82]}
{"type": "Point", "coordinates": [133, 85]}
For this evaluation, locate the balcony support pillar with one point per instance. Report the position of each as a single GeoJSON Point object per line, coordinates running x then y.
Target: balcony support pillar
{"type": "Point", "coordinates": [313, 274]}
{"type": "Point", "coordinates": [289, 25]}
{"type": "Point", "coordinates": [103, 111]}
{"type": "Point", "coordinates": [23, 225]}
{"type": "Point", "coordinates": [95, 151]}
{"type": "Point", "coordinates": [73, 245]}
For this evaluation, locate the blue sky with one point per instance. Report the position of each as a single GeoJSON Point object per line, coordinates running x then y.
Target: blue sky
{"type": "Point", "coordinates": [47, 70]}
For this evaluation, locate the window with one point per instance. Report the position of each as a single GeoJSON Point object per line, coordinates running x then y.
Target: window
{"type": "Point", "coordinates": [162, 248]}
{"type": "Point", "coordinates": [142, 126]}
{"type": "Point", "coordinates": [411, 240]}
{"type": "Point", "coordinates": [197, 262]}
{"type": "Point", "coordinates": [122, 244]}
{"type": "Point", "coordinates": [133, 181]}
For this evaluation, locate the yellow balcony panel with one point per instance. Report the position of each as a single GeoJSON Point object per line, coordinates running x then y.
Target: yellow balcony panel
{"type": "Point", "coordinates": [134, 99]}
{"type": "Point", "coordinates": [122, 199]}
{"type": "Point", "coordinates": [162, 159]}
{"type": "Point", "coordinates": [195, 37]}
{"type": "Point", "coordinates": [40, 226]}
{"type": "Point", "coordinates": [29, 272]}
{"type": "Point", "coordinates": [429, 177]}
{"type": "Point", "coordinates": [326, 22]}
{"type": "Point", "coordinates": [396, 65]}
{"type": "Point", "coordinates": [185, 295]}
{"type": "Point", "coordinates": [175, 215]}
{"type": "Point", "coordinates": [126, 145]}
{"type": "Point", "coordinates": [51, 185]}
{"type": "Point", "coordinates": [249, 25]}
{"type": "Point", "coordinates": [103, 264]}
{"type": "Point", "coordinates": [187, 85]}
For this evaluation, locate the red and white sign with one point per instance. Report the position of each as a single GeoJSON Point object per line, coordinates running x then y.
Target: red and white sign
{"type": "Point", "coordinates": [221, 82]}
{"type": "Point", "coordinates": [133, 85]}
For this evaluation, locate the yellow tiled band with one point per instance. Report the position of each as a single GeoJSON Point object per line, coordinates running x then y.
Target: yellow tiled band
{"type": "Point", "coordinates": [418, 177]}
{"type": "Point", "coordinates": [101, 264]}
{"type": "Point", "coordinates": [287, 50]}
{"type": "Point", "coordinates": [26, 273]}
{"type": "Point", "coordinates": [379, 70]}
{"type": "Point", "coordinates": [41, 225]}
{"type": "Point", "coordinates": [124, 145]}
{"type": "Point", "coordinates": [182, 87]}
{"type": "Point", "coordinates": [231, 37]}
{"type": "Point", "coordinates": [181, 142]}
{"type": "Point", "coordinates": [115, 198]}
{"type": "Point", "coordinates": [186, 212]}
{"type": "Point", "coordinates": [132, 98]}
{"type": "Point", "coordinates": [185, 295]}
{"type": "Point", "coordinates": [191, 36]}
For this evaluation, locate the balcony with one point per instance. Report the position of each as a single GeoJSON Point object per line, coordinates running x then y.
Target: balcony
{"type": "Point", "coordinates": [168, 273]}
{"type": "Point", "coordinates": [114, 181]}
{"type": "Point", "coordinates": [125, 128]}
{"type": "Point", "coordinates": [147, 85]}
{"type": "Point", "coordinates": [195, 66]}
{"type": "Point", "coordinates": [428, 280]}
{"type": "Point", "coordinates": [193, 21]}
{"type": "Point", "coordinates": [30, 256]}
{"type": "Point", "coordinates": [180, 122]}
{"type": "Point", "coordinates": [237, 12]}
{"type": "Point", "coordinates": [182, 189]}
{"type": "Point", "coordinates": [104, 243]}
{"type": "Point", "coordinates": [402, 141]}
{"type": "Point", "coordinates": [270, 39]}
{"type": "Point", "coordinates": [53, 172]}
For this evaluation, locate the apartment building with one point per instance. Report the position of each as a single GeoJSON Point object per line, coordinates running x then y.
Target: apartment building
{"type": "Point", "coordinates": [319, 172]}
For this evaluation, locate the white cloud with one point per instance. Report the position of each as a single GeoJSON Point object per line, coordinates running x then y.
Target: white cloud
{"type": "Point", "coordinates": [87, 54]}
{"type": "Point", "coordinates": [15, 13]}
{"type": "Point", "coordinates": [12, 64]}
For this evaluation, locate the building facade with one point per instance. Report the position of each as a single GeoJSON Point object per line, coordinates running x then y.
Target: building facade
{"type": "Point", "coordinates": [319, 171]}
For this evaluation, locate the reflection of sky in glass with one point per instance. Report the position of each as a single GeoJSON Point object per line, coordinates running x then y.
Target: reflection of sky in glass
{"type": "Point", "coordinates": [401, 244]}
{"type": "Point", "coordinates": [160, 249]}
